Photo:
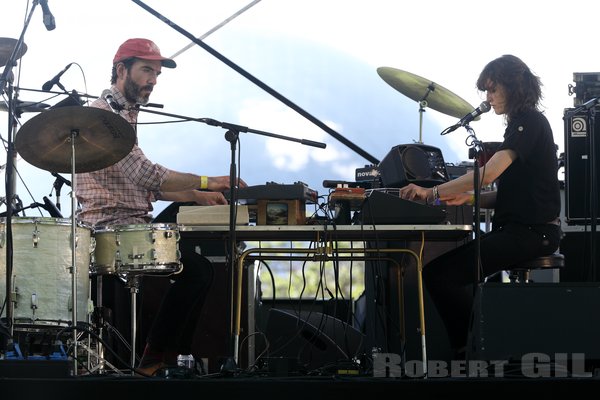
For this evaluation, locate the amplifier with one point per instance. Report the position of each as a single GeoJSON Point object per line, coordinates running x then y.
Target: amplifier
{"type": "Point", "coordinates": [413, 163]}
{"type": "Point", "coordinates": [577, 167]}
{"type": "Point", "coordinates": [510, 321]}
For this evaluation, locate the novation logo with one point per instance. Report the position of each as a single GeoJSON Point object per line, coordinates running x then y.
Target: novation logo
{"type": "Point", "coordinates": [366, 173]}
{"type": "Point", "coordinates": [531, 365]}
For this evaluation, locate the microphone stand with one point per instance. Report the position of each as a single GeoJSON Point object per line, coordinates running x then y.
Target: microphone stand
{"type": "Point", "coordinates": [477, 146]}
{"type": "Point", "coordinates": [6, 86]}
{"type": "Point", "coordinates": [21, 208]}
{"type": "Point", "coordinates": [57, 186]}
{"type": "Point", "coordinates": [58, 183]}
{"type": "Point", "coordinates": [232, 136]}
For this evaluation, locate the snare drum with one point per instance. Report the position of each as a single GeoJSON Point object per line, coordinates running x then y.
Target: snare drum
{"type": "Point", "coordinates": [137, 249]}
{"type": "Point", "coordinates": [41, 270]}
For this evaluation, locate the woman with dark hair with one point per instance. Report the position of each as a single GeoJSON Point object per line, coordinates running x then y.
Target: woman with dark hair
{"type": "Point", "coordinates": [526, 204]}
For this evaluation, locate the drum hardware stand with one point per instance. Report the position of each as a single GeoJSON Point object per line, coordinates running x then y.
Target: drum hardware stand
{"type": "Point", "coordinates": [422, 105]}
{"type": "Point", "coordinates": [6, 86]}
{"type": "Point", "coordinates": [133, 283]}
{"type": "Point", "coordinates": [95, 358]}
{"type": "Point", "coordinates": [74, 135]}
{"type": "Point", "coordinates": [101, 361]}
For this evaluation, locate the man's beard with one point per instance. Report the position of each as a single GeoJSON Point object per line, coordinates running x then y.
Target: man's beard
{"type": "Point", "coordinates": [133, 92]}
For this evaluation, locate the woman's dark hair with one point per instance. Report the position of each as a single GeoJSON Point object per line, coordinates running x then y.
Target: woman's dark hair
{"type": "Point", "coordinates": [128, 62]}
{"type": "Point", "coordinates": [523, 88]}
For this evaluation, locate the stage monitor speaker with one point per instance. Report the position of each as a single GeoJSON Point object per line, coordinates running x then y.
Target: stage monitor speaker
{"type": "Point", "coordinates": [413, 163]}
{"type": "Point", "coordinates": [511, 320]}
{"type": "Point", "coordinates": [316, 340]}
{"type": "Point", "coordinates": [577, 167]}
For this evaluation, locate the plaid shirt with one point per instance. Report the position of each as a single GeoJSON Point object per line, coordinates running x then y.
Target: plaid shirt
{"type": "Point", "coordinates": [123, 192]}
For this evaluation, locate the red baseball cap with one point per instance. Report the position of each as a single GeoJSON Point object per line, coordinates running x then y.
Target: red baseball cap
{"type": "Point", "coordinates": [144, 49]}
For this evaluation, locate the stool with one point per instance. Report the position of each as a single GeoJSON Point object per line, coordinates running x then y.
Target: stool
{"type": "Point", "coordinates": [519, 273]}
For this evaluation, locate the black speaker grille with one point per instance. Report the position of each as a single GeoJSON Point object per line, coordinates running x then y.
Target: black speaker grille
{"type": "Point", "coordinates": [413, 163]}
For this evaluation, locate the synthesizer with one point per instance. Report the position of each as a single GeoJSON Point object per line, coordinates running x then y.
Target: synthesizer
{"type": "Point", "coordinates": [385, 208]}
{"type": "Point", "coordinates": [277, 191]}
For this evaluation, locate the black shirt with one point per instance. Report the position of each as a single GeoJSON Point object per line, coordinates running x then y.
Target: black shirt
{"type": "Point", "coordinates": [528, 190]}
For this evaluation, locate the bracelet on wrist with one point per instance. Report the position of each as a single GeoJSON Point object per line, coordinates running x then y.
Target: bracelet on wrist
{"type": "Point", "coordinates": [203, 182]}
{"type": "Point", "coordinates": [436, 195]}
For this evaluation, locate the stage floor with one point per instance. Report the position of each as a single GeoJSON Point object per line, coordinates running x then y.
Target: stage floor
{"type": "Point", "coordinates": [287, 388]}
{"type": "Point", "coordinates": [31, 380]}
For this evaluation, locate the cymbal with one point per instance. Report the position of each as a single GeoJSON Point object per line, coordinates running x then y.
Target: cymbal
{"type": "Point", "coordinates": [417, 88]}
{"type": "Point", "coordinates": [102, 139]}
{"type": "Point", "coordinates": [7, 46]}
{"type": "Point", "coordinates": [26, 106]}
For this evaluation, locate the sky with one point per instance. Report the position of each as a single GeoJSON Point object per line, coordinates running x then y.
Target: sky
{"type": "Point", "coordinates": [319, 55]}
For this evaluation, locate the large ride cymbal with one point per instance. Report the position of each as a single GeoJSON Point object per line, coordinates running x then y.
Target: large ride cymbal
{"type": "Point", "coordinates": [102, 138]}
{"type": "Point", "coordinates": [418, 89]}
{"type": "Point", "coordinates": [7, 46]}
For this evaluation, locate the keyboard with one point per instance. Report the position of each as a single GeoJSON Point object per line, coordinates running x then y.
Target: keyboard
{"type": "Point", "coordinates": [385, 208]}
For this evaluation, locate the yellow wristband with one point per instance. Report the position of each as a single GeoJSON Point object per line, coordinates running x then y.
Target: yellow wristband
{"type": "Point", "coordinates": [472, 200]}
{"type": "Point", "coordinates": [203, 182]}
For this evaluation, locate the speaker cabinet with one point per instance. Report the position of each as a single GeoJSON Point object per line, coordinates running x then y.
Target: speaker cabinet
{"type": "Point", "coordinates": [511, 320]}
{"type": "Point", "coordinates": [581, 264]}
{"type": "Point", "coordinates": [413, 163]}
{"type": "Point", "coordinates": [577, 167]}
{"type": "Point", "coordinates": [314, 339]}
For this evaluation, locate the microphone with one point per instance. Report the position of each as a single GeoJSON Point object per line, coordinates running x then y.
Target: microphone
{"type": "Point", "coordinates": [60, 180]}
{"type": "Point", "coordinates": [483, 108]}
{"type": "Point", "coordinates": [153, 105]}
{"type": "Point", "coordinates": [107, 95]}
{"type": "Point", "coordinates": [51, 208]}
{"type": "Point", "coordinates": [48, 17]}
{"type": "Point", "coordinates": [48, 85]}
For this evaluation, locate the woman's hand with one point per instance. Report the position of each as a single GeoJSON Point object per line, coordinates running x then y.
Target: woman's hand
{"type": "Point", "coordinates": [414, 192]}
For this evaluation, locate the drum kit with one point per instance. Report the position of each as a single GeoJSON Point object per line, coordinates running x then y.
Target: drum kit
{"type": "Point", "coordinates": [52, 259]}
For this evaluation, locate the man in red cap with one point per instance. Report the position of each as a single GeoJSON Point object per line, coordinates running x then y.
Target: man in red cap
{"type": "Point", "coordinates": [122, 194]}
